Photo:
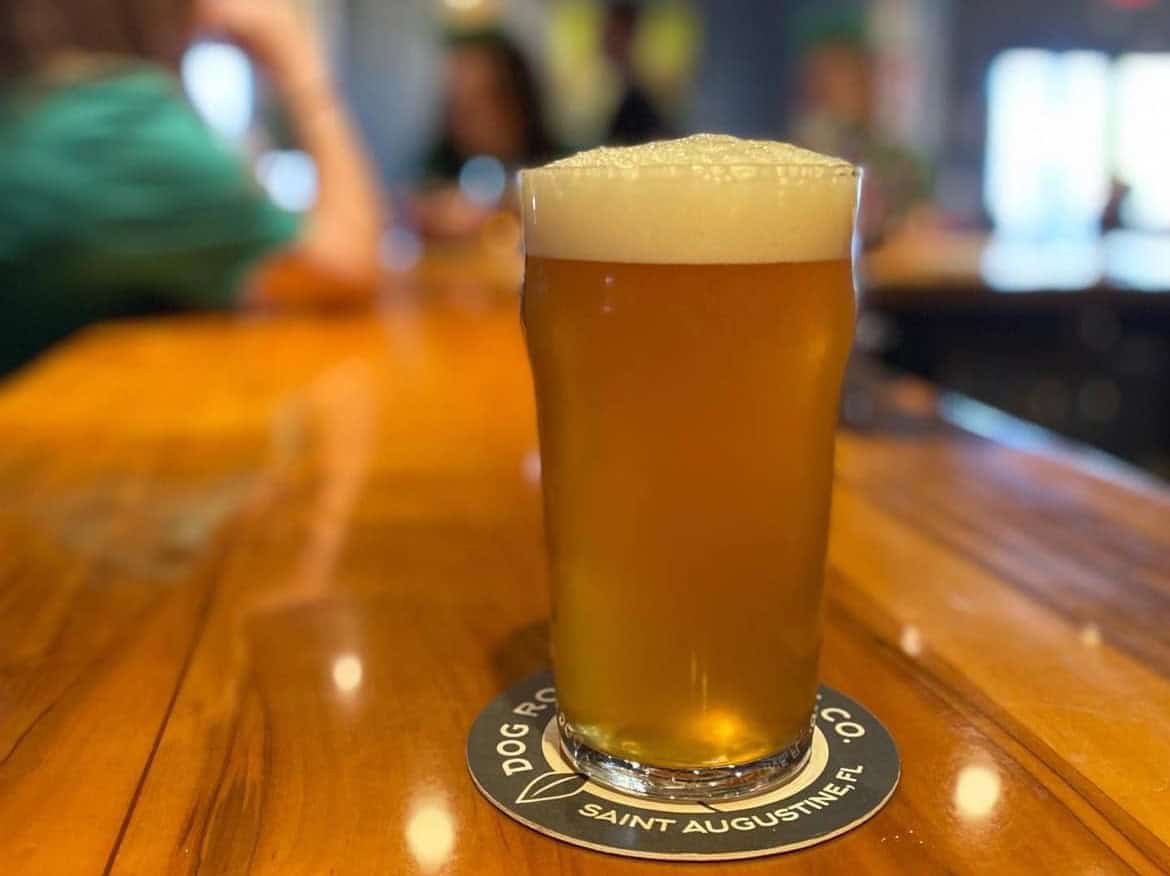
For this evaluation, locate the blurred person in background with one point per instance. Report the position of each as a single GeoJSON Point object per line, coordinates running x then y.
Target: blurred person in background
{"type": "Point", "coordinates": [836, 115]}
{"type": "Point", "coordinates": [492, 110]}
{"type": "Point", "coordinates": [636, 119]}
{"type": "Point", "coordinates": [116, 199]}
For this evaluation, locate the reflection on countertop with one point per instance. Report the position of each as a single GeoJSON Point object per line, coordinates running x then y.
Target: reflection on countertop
{"type": "Point", "coordinates": [977, 790]}
{"type": "Point", "coordinates": [430, 834]}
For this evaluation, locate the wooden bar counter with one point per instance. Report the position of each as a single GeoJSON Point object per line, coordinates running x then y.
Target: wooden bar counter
{"type": "Point", "coordinates": [258, 576]}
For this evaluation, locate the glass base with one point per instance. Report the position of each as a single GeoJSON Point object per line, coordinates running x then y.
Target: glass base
{"type": "Point", "coordinates": [730, 782]}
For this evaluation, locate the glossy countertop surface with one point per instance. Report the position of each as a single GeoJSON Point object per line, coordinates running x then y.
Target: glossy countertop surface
{"type": "Point", "coordinates": [259, 576]}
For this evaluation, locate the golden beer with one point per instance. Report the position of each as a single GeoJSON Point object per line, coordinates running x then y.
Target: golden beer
{"type": "Point", "coordinates": [687, 374]}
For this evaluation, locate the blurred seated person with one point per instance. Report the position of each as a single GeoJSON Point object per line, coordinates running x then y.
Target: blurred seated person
{"type": "Point", "coordinates": [116, 199]}
{"type": "Point", "coordinates": [636, 119]}
{"type": "Point", "coordinates": [837, 116]}
{"type": "Point", "coordinates": [492, 109]}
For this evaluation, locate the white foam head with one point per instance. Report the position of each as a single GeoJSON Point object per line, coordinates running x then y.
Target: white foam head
{"type": "Point", "coordinates": [705, 199]}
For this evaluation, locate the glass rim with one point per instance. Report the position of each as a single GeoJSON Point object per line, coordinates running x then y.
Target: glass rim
{"type": "Point", "coordinates": [826, 171]}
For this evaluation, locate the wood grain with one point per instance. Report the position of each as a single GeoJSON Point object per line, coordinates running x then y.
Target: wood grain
{"type": "Point", "coordinates": [260, 576]}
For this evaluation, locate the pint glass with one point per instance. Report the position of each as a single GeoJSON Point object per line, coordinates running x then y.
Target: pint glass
{"type": "Point", "coordinates": [688, 309]}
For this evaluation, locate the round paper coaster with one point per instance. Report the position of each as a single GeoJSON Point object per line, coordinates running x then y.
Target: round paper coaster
{"type": "Point", "coordinates": [515, 761]}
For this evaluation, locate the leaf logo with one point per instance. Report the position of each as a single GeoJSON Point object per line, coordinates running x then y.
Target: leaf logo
{"type": "Point", "coordinates": [552, 786]}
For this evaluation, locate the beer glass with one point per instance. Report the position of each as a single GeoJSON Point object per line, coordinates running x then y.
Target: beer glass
{"type": "Point", "coordinates": [688, 310]}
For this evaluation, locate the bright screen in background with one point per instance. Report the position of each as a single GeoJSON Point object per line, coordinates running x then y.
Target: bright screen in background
{"type": "Point", "coordinates": [218, 80]}
{"type": "Point", "coordinates": [1047, 173]}
{"type": "Point", "coordinates": [1142, 138]}
{"type": "Point", "coordinates": [1062, 126]}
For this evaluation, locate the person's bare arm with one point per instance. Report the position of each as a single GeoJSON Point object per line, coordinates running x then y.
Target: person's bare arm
{"type": "Point", "coordinates": [334, 260]}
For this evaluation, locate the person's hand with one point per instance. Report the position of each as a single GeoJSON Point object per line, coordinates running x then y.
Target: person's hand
{"type": "Point", "coordinates": [446, 213]}
{"type": "Point", "coordinates": [334, 259]}
{"type": "Point", "coordinates": [272, 32]}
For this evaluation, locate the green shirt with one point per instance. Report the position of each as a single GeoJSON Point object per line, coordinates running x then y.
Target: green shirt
{"type": "Point", "coordinates": [116, 199]}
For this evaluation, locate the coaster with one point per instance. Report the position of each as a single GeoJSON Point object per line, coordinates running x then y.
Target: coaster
{"type": "Point", "coordinates": [514, 758]}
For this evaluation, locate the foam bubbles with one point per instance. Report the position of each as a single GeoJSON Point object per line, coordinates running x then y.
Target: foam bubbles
{"type": "Point", "coordinates": [705, 199]}
{"type": "Point", "coordinates": [702, 154]}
